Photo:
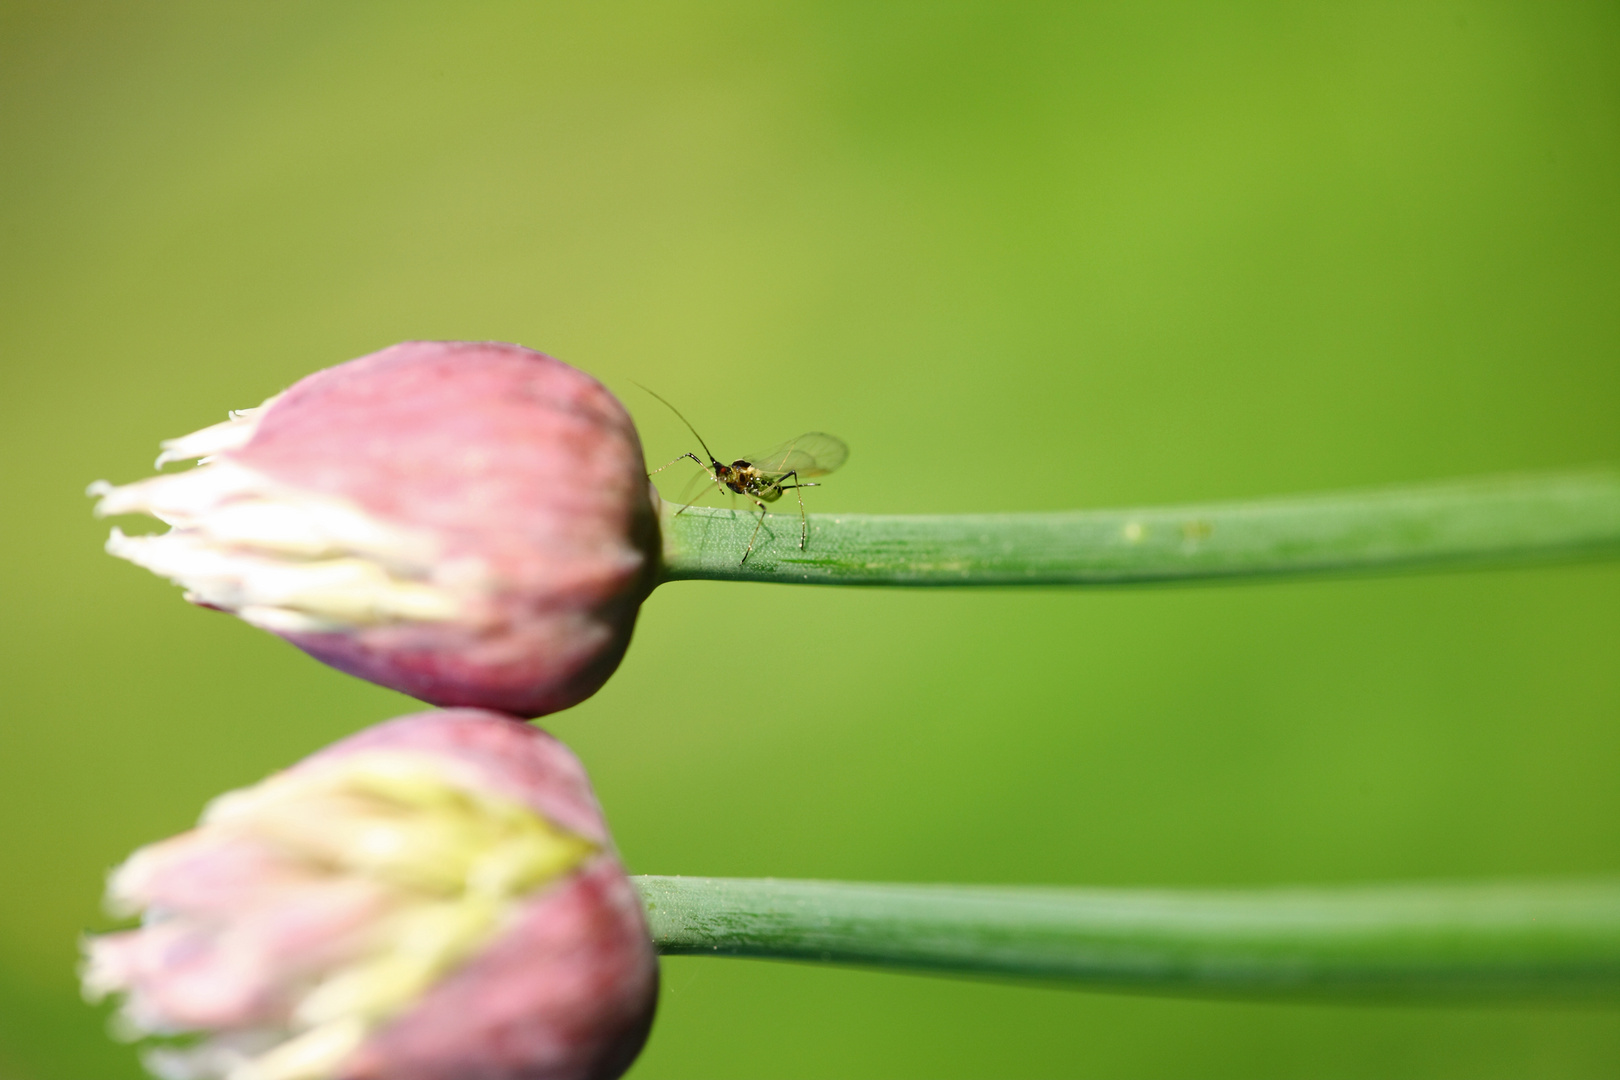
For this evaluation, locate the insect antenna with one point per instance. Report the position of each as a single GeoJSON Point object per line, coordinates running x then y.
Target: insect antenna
{"type": "Point", "coordinates": [683, 420]}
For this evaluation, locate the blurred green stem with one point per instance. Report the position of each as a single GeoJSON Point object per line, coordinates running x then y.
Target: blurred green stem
{"type": "Point", "coordinates": [1556, 515]}
{"type": "Point", "coordinates": [1520, 941]}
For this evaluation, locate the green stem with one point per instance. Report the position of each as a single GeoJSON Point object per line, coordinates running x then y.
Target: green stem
{"type": "Point", "coordinates": [1522, 941]}
{"type": "Point", "coordinates": [1548, 516]}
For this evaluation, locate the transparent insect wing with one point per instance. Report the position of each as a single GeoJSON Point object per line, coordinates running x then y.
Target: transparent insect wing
{"type": "Point", "coordinates": [815, 453]}
{"type": "Point", "coordinates": [697, 486]}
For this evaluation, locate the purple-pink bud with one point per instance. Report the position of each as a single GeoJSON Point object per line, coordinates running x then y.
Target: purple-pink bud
{"type": "Point", "coordinates": [469, 523]}
{"type": "Point", "coordinates": [435, 898]}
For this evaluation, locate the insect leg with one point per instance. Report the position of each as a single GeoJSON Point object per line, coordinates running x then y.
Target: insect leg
{"type": "Point", "coordinates": [757, 526]}
{"type": "Point", "coordinates": [804, 528]}
{"type": "Point", "coordinates": [804, 522]}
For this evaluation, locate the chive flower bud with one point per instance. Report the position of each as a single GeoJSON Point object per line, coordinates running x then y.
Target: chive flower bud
{"type": "Point", "coordinates": [434, 898]}
{"type": "Point", "coordinates": [469, 523]}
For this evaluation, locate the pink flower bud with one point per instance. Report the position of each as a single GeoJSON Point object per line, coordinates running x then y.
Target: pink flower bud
{"type": "Point", "coordinates": [434, 898]}
{"type": "Point", "coordinates": [470, 524]}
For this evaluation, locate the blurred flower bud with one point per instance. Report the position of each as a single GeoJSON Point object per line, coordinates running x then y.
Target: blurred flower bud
{"type": "Point", "coordinates": [435, 898]}
{"type": "Point", "coordinates": [470, 524]}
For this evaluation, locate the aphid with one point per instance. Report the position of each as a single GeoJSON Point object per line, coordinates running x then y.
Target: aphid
{"type": "Point", "coordinates": [765, 476]}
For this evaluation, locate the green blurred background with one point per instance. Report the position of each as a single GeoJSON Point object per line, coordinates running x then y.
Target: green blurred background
{"type": "Point", "coordinates": [1020, 257]}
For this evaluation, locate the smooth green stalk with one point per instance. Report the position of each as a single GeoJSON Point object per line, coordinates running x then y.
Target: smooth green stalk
{"type": "Point", "coordinates": [1521, 941]}
{"type": "Point", "coordinates": [1549, 516]}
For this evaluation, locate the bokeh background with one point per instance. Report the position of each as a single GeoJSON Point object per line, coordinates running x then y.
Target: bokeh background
{"type": "Point", "coordinates": [1020, 256]}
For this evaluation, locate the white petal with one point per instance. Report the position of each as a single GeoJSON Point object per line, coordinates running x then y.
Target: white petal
{"type": "Point", "coordinates": [284, 559]}
{"type": "Point", "coordinates": [232, 434]}
{"type": "Point", "coordinates": [178, 498]}
{"type": "Point", "coordinates": [213, 1059]}
{"type": "Point", "coordinates": [315, 1055]}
